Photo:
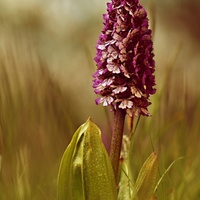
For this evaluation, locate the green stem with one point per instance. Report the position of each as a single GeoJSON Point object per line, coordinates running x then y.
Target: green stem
{"type": "Point", "coordinates": [116, 142]}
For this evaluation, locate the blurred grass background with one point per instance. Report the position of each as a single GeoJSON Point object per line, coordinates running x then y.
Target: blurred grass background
{"type": "Point", "coordinates": [46, 65]}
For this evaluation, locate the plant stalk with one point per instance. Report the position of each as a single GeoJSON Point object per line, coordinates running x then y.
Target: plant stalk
{"type": "Point", "coordinates": [116, 142]}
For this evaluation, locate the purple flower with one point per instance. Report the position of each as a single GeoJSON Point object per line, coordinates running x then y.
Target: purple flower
{"type": "Point", "coordinates": [124, 58]}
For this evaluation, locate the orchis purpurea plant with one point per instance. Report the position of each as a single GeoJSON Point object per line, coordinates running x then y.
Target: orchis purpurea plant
{"type": "Point", "coordinates": [125, 81]}
{"type": "Point", "coordinates": [124, 58]}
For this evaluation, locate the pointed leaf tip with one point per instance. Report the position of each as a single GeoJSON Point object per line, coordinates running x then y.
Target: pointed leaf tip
{"type": "Point", "coordinates": [85, 170]}
{"type": "Point", "coordinates": [146, 180]}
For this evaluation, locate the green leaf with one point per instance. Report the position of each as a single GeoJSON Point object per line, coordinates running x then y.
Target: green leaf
{"type": "Point", "coordinates": [125, 185]}
{"type": "Point", "coordinates": [85, 171]}
{"type": "Point", "coordinates": [65, 176]}
{"type": "Point", "coordinates": [146, 180]}
{"type": "Point", "coordinates": [165, 172]}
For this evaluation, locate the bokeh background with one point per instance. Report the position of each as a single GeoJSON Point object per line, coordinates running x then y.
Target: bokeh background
{"type": "Point", "coordinates": [46, 66]}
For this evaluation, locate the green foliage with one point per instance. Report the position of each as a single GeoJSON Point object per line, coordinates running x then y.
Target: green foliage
{"type": "Point", "coordinates": [85, 170]}
{"type": "Point", "coordinates": [146, 180]}
{"type": "Point", "coordinates": [143, 187]}
{"type": "Point", "coordinates": [165, 172]}
{"type": "Point", "coordinates": [125, 185]}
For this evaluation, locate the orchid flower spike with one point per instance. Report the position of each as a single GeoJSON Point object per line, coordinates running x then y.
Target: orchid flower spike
{"type": "Point", "coordinates": [124, 59]}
